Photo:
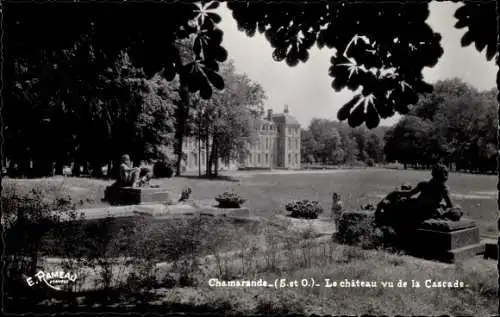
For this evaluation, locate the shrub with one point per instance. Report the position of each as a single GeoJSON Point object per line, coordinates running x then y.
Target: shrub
{"type": "Point", "coordinates": [308, 209]}
{"type": "Point", "coordinates": [359, 228]}
{"type": "Point", "coordinates": [29, 214]}
{"type": "Point", "coordinates": [229, 200]}
{"type": "Point", "coordinates": [163, 168]}
{"type": "Point", "coordinates": [370, 163]}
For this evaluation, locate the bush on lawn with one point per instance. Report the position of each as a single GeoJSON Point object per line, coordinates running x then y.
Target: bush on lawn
{"type": "Point", "coordinates": [229, 200]}
{"type": "Point", "coordinates": [308, 209]}
{"type": "Point", "coordinates": [164, 168]}
{"type": "Point", "coordinates": [359, 228]}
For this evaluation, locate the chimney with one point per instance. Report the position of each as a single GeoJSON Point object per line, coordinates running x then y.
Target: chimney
{"type": "Point", "coordinates": [286, 109]}
{"type": "Point", "coordinates": [269, 114]}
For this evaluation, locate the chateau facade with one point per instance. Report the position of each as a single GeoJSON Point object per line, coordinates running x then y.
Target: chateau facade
{"type": "Point", "coordinates": [277, 146]}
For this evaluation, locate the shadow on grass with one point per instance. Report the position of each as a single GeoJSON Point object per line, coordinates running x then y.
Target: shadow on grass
{"type": "Point", "coordinates": [43, 300]}
{"type": "Point", "coordinates": [225, 178]}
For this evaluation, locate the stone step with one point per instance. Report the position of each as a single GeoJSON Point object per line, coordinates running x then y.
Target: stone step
{"type": "Point", "coordinates": [466, 253]}
{"type": "Point", "coordinates": [451, 256]}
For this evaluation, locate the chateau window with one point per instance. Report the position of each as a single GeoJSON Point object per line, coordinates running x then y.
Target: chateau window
{"type": "Point", "coordinates": [258, 158]}
{"type": "Point", "coordinates": [267, 143]}
{"type": "Point", "coordinates": [296, 158]}
{"type": "Point", "coordinates": [289, 142]}
{"type": "Point", "coordinates": [297, 143]}
{"type": "Point", "coordinates": [289, 158]}
{"type": "Point", "coordinates": [250, 158]}
{"type": "Point", "coordinates": [267, 158]}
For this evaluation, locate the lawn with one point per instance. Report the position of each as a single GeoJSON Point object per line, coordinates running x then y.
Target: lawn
{"type": "Point", "coordinates": [267, 193]}
{"type": "Point", "coordinates": [267, 250]}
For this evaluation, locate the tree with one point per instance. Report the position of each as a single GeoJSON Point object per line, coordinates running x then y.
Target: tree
{"type": "Point", "coordinates": [360, 135]}
{"type": "Point", "coordinates": [409, 142]}
{"type": "Point", "coordinates": [429, 103]}
{"type": "Point", "coordinates": [375, 148]}
{"type": "Point", "coordinates": [327, 140]}
{"type": "Point", "coordinates": [226, 119]}
{"type": "Point", "coordinates": [463, 125]}
{"type": "Point", "coordinates": [62, 80]}
{"type": "Point", "coordinates": [455, 123]}
{"type": "Point", "coordinates": [308, 146]}
{"type": "Point", "coordinates": [349, 145]}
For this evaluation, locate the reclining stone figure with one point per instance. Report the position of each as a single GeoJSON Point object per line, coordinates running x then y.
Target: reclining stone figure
{"type": "Point", "coordinates": [401, 211]}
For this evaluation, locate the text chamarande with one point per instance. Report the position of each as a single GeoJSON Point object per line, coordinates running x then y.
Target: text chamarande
{"type": "Point", "coordinates": [214, 282]}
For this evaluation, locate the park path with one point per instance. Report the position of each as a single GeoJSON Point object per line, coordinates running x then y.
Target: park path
{"type": "Point", "coordinates": [249, 173]}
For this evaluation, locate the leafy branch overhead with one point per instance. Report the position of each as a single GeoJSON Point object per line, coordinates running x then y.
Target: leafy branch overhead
{"type": "Point", "coordinates": [380, 48]}
{"type": "Point", "coordinates": [147, 33]}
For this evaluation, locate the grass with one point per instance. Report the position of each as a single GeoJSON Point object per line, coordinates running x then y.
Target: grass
{"type": "Point", "coordinates": [269, 250]}
{"type": "Point", "coordinates": [267, 194]}
{"type": "Point", "coordinates": [478, 298]}
{"type": "Point", "coordinates": [338, 263]}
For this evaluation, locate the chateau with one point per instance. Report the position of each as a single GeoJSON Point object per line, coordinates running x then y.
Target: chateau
{"type": "Point", "coordinates": [277, 146]}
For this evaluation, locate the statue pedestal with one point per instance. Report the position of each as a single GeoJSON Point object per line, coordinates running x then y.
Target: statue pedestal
{"type": "Point", "coordinates": [442, 240]}
{"type": "Point", "coordinates": [141, 195]}
{"type": "Point", "coordinates": [447, 241]}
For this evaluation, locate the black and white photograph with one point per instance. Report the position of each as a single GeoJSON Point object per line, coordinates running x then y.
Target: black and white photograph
{"type": "Point", "coordinates": [250, 157]}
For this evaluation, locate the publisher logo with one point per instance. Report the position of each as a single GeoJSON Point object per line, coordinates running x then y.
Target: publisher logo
{"type": "Point", "coordinates": [54, 280]}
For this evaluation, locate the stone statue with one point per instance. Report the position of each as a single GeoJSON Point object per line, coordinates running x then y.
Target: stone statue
{"type": "Point", "coordinates": [337, 207]}
{"type": "Point", "coordinates": [133, 176]}
{"type": "Point", "coordinates": [400, 209]}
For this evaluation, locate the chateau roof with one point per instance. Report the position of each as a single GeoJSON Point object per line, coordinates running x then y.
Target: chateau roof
{"type": "Point", "coordinates": [288, 119]}
{"type": "Point", "coordinates": [259, 122]}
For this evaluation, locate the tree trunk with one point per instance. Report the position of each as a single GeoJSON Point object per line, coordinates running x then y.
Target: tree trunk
{"type": "Point", "coordinates": [207, 156]}
{"type": "Point", "coordinates": [43, 167]}
{"type": "Point", "coordinates": [115, 171]}
{"type": "Point", "coordinates": [85, 168]}
{"type": "Point", "coordinates": [109, 172]}
{"type": "Point", "coordinates": [182, 117]}
{"type": "Point", "coordinates": [96, 170]}
{"type": "Point", "coordinates": [213, 154]}
{"type": "Point", "coordinates": [211, 163]}
{"type": "Point", "coordinates": [216, 169]}
{"type": "Point", "coordinates": [59, 168]}
{"type": "Point", "coordinates": [199, 148]}
{"type": "Point", "coordinates": [75, 170]}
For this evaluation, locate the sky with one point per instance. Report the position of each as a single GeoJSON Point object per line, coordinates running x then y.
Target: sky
{"type": "Point", "coordinates": [306, 88]}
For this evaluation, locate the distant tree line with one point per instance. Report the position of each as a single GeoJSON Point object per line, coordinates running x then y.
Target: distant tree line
{"type": "Point", "coordinates": [455, 124]}
{"type": "Point", "coordinates": [330, 142]}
